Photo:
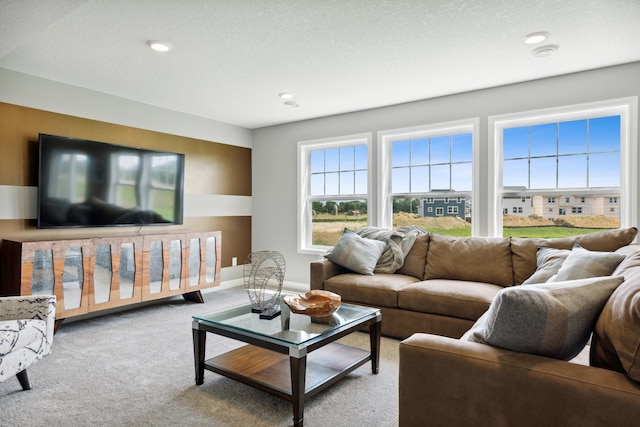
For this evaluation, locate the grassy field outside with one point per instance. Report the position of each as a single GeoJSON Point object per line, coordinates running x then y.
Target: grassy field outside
{"type": "Point", "coordinates": [327, 228]}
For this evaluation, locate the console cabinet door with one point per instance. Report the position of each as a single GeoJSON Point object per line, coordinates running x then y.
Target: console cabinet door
{"type": "Point", "coordinates": [116, 268]}
{"type": "Point", "coordinates": [203, 260]}
{"type": "Point", "coordinates": [163, 265]}
{"type": "Point", "coordinates": [71, 276]}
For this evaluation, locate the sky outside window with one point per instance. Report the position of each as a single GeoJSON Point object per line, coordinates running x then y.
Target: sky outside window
{"type": "Point", "coordinates": [572, 154]}
{"type": "Point", "coordinates": [426, 164]}
{"type": "Point", "coordinates": [339, 171]}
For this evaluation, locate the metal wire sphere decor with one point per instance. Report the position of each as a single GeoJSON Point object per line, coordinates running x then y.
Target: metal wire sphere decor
{"type": "Point", "coordinates": [263, 277]}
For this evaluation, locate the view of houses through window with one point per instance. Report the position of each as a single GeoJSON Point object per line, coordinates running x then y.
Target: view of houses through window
{"type": "Point", "coordinates": [561, 177]}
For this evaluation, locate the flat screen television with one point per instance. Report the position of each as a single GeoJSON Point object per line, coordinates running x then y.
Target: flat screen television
{"type": "Point", "coordinates": [84, 183]}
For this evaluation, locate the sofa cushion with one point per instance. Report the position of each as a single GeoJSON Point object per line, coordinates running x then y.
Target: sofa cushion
{"type": "Point", "coordinates": [415, 260]}
{"type": "Point", "coordinates": [356, 253]}
{"type": "Point", "coordinates": [380, 290]}
{"type": "Point", "coordinates": [475, 259]}
{"type": "Point", "coordinates": [453, 298]}
{"type": "Point", "coordinates": [548, 261]}
{"type": "Point", "coordinates": [549, 319]}
{"type": "Point", "coordinates": [582, 263]}
{"type": "Point", "coordinates": [616, 338]}
{"type": "Point", "coordinates": [524, 249]}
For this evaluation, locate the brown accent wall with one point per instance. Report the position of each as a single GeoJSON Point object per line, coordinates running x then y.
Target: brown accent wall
{"type": "Point", "coordinates": [211, 168]}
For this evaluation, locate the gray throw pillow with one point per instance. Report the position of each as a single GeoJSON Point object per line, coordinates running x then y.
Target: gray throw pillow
{"type": "Point", "coordinates": [549, 261]}
{"type": "Point", "coordinates": [549, 319]}
{"type": "Point", "coordinates": [356, 253]}
{"type": "Point", "coordinates": [582, 263]}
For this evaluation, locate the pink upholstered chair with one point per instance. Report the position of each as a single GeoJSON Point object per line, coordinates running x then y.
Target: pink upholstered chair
{"type": "Point", "coordinates": [26, 334]}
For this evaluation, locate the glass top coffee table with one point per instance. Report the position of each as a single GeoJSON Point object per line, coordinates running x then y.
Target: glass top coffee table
{"type": "Point", "coordinates": [293, 356]}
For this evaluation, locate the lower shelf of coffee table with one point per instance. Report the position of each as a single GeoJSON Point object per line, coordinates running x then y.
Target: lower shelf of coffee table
{"type": "Point", "coordinates": [270, 371]}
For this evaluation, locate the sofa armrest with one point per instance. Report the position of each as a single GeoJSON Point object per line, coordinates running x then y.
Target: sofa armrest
{"type": "Point", "coordinates": [41, 307]}
{"type": "Point", "coordinates": [448, 382]}
{"type": "Point", "coordinates": [323, 269]}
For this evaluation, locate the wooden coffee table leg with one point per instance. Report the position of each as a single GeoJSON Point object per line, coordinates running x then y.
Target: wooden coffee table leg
{"type": "Point", "coordinates": [374, 337]}
{"type": "Point", "coordinates": [298, 387]}
{"type": "Point", "coordinates": [199, 345]}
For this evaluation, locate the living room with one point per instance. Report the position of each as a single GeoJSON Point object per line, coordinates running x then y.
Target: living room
{"type": "Point", "coordinates": [251, 191]}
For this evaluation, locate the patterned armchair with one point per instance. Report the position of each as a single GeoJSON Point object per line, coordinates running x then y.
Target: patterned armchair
{"type": "Point", "coordinates": [26, 334]}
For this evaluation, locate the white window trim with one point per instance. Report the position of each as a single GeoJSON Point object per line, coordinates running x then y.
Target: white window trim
{"type": "Point", "coordinates": [386, 138]}
{"type": "Point", "coordinates": [304, 185]}
{"type": "Point", "coordinates": [626, 108]}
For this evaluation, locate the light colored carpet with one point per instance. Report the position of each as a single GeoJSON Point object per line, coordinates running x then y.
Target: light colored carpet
{"type": "Point", "coordinates": [135, 368]}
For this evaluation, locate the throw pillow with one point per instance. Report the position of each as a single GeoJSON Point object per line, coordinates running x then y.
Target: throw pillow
{"type": "Point", "coordinates": [356, 253]}
{"type": "Point", "coordinates": [549, 261]}
{"type": "Point", "coordinates": [582, 263]}
{"type": "Point", "coordinates": [550, 319]}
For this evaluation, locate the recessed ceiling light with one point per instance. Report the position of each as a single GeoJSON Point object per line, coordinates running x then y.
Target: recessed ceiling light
{"type": "Point", "coordinates": [536, 37]}
{"type": "Point", "coordinates": [159, 46]}
{"type": "Point", "coordinates": [292, 104]}
{"type": "Point", "coordinates": [546, 50]}
{"type": "Point", "coordinates": [286, 95]}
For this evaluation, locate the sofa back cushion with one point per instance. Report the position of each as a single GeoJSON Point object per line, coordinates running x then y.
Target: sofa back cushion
{"type": "Point", "coordinates": [524, 249]}
{"type": "Point", "coordinates": [414, 260]}
{"type": "Point", "coordinates": [476, 259]}
{"type": "Point", "coordinates": [616, 338]}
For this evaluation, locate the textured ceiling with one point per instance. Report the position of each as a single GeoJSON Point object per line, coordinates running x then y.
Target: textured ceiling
{"type": "Point", "coordinates": [231, 58]}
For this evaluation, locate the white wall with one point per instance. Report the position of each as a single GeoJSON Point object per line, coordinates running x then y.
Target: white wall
{"type": "Point", "coordinates": [274, 148]}
{"type": "Point", "coordinates": [47, 95]}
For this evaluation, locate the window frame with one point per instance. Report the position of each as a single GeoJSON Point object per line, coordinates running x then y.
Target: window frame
{"type": "Point", "coordinates": [384, 165]}
{"type": "Point", "coordinates": [626, 108]}
{"type": "Point", "coordinates": [304, 214]}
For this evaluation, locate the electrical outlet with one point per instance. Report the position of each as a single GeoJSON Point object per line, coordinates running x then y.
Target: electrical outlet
{"type": "Point", "coordinates": [234, 261]}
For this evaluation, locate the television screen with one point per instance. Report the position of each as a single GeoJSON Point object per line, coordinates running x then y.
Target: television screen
{"type": "Point", "coordinates": [84, 183]}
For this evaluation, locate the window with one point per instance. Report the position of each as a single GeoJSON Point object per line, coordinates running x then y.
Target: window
{"type": "Point", "coordinates": [427, 165]}
{"type": "Point", "coordinates": [333, 185]}
{"type": "Point", "coordinates": [452, 210]}
{"type": "Point", "coordinates": [536, 160]}
{"type": "Point", "coordinates": [582, 150]}
{"type": "Point", "coordinates": [515, 209]}
{"type": "Point", "coordinates": [74, 168]}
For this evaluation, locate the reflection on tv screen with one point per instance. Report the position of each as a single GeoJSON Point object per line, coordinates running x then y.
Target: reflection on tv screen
{"type": "Point", "coordinates": [84, 183]}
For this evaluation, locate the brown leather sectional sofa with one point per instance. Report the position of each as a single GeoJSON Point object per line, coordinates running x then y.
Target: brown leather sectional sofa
{"type": "Point", "coordinates": [446, 284]}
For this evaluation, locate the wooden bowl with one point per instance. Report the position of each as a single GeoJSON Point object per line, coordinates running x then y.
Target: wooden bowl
{"type": "Point", "coordinates": [317, 303]}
